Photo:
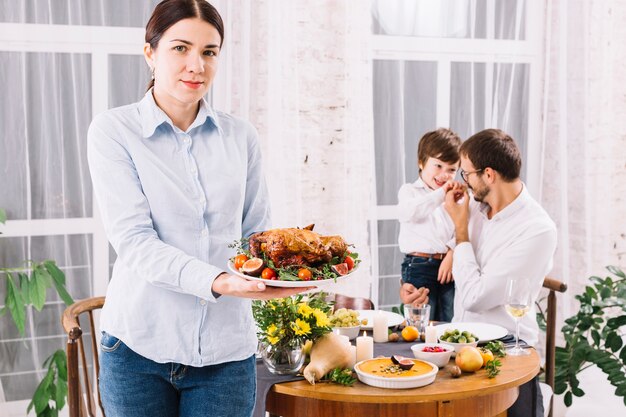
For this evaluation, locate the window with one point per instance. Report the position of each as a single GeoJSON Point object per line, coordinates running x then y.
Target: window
{"type": "Point", "coordinates": [463, 64]}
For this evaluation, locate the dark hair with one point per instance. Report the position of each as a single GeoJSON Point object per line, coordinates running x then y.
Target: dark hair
{"type": "Point", "coordinates": [493, 148]}
{"type": "Point", "coordinates": [169, 12]}
{"type": "Point", "coordinates": [442, 144]}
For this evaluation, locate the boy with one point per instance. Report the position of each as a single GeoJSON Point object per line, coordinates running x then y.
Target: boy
{"type": "Point", "coordinates": [426, 231]}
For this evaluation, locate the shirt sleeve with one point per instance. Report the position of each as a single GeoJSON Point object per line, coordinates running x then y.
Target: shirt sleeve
{"type": "Point", "coordinates": [415, 208]}
{"type": "Point", "coordinates": [256, 211]}
{"type": "Point", "coordinates": [127, 221]}
{"type": "Point", "coordinates": [481, 289]}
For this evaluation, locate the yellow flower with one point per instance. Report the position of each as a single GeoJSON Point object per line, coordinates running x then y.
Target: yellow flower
{"type": "Point", "coordinates": [304, 310]}
{"type": "Point", "coordinates": [301, 327]}
{"type": "Point", "coordinates": [321, 319]}
{"type": "Point", "coordinates": [271, 330]}
{"type": "Point", "coordinates": [273, 340]}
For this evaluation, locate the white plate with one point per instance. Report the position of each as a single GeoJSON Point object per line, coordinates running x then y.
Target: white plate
{"type": "Point", "coordinates": [484, 331]}
{"type": "Point", "coordinates": [393, 319]}
{"type": "Point", "coordinates": [397, 383]}
{"type": "Point", "coordinates": [291, 284]}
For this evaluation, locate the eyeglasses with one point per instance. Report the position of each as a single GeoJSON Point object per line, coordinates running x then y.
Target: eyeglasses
{"type": "Point", "coordinates": [465, 174]}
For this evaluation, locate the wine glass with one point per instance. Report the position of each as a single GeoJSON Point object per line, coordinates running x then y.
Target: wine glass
{"type": "Point", "coordinates": [517, 305]}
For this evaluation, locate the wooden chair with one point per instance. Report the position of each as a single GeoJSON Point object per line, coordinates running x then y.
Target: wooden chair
{"type": "Point", "coordinates": [81, 389]}
{"type": "Point", "coordinates": [553, 286]}
{"type": "Point", "coordinates": [353, 303]}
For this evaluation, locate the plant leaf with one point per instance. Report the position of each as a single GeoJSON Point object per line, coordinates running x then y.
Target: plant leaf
{"type": "Point", "coordinates": [15, 303]}
{"type": "Point", "coordinates": [617, 271]}
{"type": "Point", "coordinates": [568, 398]}
{"type": "Point", "coordinates": [41, 396]}
{"type": "Point", "coordinates": [616, 322]}
{"type": "Point", "coordinates": [24, 284]}
{"type": "Point", "coordinates": [37, 289]}
{"type": "Point", "coordinates": [58, 279]}
{"type": "Point", "coordinates": [613, 341]}
{"type": "Point", "coordinates": [3, 216]}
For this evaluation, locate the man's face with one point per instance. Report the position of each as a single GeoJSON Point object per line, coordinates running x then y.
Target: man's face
{"type": "Point", "coordinates": [474, 180]}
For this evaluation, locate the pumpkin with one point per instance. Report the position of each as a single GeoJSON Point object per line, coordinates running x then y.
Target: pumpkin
{"type": "Point", "coordinates": [328, 352]}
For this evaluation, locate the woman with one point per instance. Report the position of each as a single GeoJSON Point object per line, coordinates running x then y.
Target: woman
{"type": "Point", "coordinates": [176, 182]}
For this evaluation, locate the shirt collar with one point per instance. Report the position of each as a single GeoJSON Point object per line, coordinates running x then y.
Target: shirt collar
{"type": "Point", "coordinates": [420, 183]}
{"type": "Point", "coordinates": [515, 205]}
{"type": "Point", "coordinates": [152, 116]}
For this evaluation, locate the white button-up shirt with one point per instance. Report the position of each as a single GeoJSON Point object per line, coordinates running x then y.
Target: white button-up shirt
{"type": "Point", "coordinates": [171, 203]}
{"type": "Point", "coordinates": [518, 242]}
{"type": "Point", "coordinates": [424, 224]}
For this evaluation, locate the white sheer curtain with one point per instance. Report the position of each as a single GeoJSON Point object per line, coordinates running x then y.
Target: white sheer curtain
{"type": "Point", "coordinates": [420, 91]}
{"type": "Point", "coordinates": [301, 73]}
{"type": "Point", "coordinates": [584, 142]}
{"type": "Point", "coordinates": [46, 98]}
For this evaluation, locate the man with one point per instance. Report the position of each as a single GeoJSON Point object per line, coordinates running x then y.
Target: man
{"type": "Point", "coordinates": [507, 235]}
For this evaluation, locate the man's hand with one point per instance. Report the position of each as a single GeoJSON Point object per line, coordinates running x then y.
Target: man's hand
{"type": "Point", "coordinates": [457, 205]}
{"type": "Point", "coordinates": [444, 274]}
{"type": "Point", "coordinates": [411, 295]}
{"type": "Point", "coordinates": [227, 284]}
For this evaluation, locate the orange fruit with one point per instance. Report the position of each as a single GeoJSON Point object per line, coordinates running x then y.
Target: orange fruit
{"type": "Point", "coordinates": [410, 333]}
{"type": "Point", "coordinates": [240, 260]}
{"type": "Point", "coordinates": [486, 354]}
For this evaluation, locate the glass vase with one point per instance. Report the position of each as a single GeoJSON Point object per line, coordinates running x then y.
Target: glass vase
{"type": "Point", "coordinates": [282, 359]}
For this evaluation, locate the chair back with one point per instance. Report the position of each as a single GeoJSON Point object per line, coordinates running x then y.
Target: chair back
{"type": "Point", "coordinates": [553, 286]}
{"type": "Point", "coordinates": [82, 364]}
{"type": "Point", "coordinates": [352, 303]}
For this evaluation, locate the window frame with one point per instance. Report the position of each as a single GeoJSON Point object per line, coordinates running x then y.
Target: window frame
{"type": "Point", "coordinates": [445, 51]}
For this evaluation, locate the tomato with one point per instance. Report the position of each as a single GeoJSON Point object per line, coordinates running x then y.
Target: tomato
{"type": "Point", "coordinates": [350, 262]}
{"type": "Point", "coordinates": [268, 273]}
{"type": "Point", "coordinates": [240, 260]}
{"type": "Point", "coordinates": [304, 274]}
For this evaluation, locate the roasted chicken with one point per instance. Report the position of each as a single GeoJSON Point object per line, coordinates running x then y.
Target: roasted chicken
{"type": "Point", "coordinates": [293, 246]}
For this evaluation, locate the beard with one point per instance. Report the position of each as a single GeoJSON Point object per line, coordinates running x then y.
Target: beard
{"type": "Point", "coordinates": [480, 192]}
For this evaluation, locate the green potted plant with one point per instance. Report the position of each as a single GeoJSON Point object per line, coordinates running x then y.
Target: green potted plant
{"type": "Point", "coordinates": [593, 336]}
{"type": "Point", "coordinates": [28, 286]}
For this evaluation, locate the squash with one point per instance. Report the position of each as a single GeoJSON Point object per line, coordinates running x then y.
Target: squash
{"type": "Point", "coordinates": [328, 352]}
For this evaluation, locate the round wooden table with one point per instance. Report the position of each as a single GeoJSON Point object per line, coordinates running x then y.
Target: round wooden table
{"type": "Point", "coordinates": [471, 395]}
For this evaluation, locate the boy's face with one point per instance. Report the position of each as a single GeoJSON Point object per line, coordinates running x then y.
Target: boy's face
{"type": "Point", "coordinates": [436, 173]}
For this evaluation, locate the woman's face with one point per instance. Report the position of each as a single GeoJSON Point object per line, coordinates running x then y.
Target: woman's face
{"type": "Point", "coordinates": [184, 62]}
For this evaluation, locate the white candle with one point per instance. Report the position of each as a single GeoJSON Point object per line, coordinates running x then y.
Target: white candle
{"type": "Point", "coordinates": [431, 334]}
{"type": "Point", "coordinates": [352, 357]}
{"type": "Point", "coordinates": [381, 333]}
{"type": "Point", "coordinates": [364, 347]}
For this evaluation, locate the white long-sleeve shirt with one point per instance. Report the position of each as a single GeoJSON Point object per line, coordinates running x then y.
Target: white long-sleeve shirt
{"type": "Point", "coordinates": [171, 203]}
{"type": "Point", "coordinates": [424, 225]}
{"type": "Point", "coordinates": [518, 242]}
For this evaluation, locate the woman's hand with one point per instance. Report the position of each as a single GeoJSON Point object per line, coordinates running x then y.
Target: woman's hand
{"type": "Point", "coordinates": [227, 284]}
{"type": "Point", "coordinates": [411, 295]}
{"type": "Point", "coordinates": [444, 274]}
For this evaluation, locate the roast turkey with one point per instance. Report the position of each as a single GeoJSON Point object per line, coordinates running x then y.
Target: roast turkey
{"type": "Point", "coordinates": [293, 246]}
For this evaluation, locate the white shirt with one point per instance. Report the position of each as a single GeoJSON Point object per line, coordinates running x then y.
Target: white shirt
{"type": "Point", "coordinates": [171, 203]}
{"type": "Point", "coordinates": [424, 224]}
{"type": "Point", "coordinates": [518, 242]}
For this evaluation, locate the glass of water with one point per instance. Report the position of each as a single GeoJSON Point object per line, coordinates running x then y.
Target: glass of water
{"type": "Point", "coordinates": [417, 316]}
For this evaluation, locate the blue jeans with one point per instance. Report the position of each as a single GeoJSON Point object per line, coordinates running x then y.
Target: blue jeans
{"type": "Point", "coordinates": [133, 386]}
{"type": "Point", "coordinates": [422, 272]}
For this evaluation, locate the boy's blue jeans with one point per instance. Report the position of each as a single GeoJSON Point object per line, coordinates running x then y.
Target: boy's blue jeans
{"type": "Point", "coordinates": [422, 272]}
{"type": "Point", "coordinates": [133, 386]}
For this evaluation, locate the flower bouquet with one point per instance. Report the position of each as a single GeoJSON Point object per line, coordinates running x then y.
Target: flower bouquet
{"type": "Point", "coordinates": [286, 324]}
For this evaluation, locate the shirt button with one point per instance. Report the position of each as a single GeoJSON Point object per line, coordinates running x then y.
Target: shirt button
{"type": "Point", "coordinates": [202, 302]}
{"type": "Point", "coordinates": [205, 232]}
